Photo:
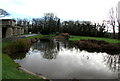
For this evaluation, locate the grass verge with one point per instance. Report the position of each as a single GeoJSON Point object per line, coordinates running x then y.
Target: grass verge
{"type": "Point", "coordinates": [95, 38]}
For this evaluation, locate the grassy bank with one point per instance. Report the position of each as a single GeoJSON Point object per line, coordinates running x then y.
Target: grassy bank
{"type": "Point", "coordinates": [10, 71]}
{"type": "Point", "coordinates": [96, 38]}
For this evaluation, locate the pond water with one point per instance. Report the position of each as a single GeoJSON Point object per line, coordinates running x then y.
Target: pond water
{"type": "Point", "coordinates": [62, 60]}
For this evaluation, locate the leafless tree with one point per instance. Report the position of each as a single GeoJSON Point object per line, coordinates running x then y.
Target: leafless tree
{"type": "Point", "coordinates": [118, 21]}
{"type": "Point", "coordinates": [112, 20]}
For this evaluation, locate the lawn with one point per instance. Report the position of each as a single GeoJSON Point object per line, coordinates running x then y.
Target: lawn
{"type": "Point", "coordinates": [96, 38]}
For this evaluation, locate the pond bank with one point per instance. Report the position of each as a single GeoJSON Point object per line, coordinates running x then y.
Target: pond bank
{"type": "Point", "coordinates": [29, 72]}
{"type": "Point", "coordinates": [93, 44]}
{"type": "Point", "coordinates": [19, 46]}
{"type": "Point", "coordinates": [98, 46]}
{"type": "Point", "coordinates": [10, 70]}
{"type": "Point", "coordinates": [52, 58]}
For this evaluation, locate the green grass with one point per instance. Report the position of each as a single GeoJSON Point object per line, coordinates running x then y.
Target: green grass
{"type": "Point", "coordinates": [10, 71]}
{"type": "Point", "coordinates": [96, 38]}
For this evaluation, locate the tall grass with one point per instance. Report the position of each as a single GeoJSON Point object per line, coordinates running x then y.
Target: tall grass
{"type": "Point", "coordinates": [18, 46]}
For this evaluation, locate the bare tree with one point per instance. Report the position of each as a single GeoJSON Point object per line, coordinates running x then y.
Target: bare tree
{"type": "Point", "coordinates": [112, 20]}
{"type": "Point", "coordinates": [118, 19]}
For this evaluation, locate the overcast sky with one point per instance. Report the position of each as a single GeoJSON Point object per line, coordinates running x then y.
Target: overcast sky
{"type": "Point", "coordinates": [93, 10]}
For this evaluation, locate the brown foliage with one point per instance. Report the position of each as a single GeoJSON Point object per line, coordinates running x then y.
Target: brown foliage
{"type": "Point", "coordinates": [19, 46]}
{"type": "Point", "coordinates": [98, 45]}
{"type": "Point", "coordinates": [65, 35]}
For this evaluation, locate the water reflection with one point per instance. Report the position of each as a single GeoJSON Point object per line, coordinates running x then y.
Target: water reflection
{"type": "Point", "coordinates": [112, 62]}
{"type": "Point", "coordinates": [51, 48]}
{"type": "Point", "coordinates": [62, 60]}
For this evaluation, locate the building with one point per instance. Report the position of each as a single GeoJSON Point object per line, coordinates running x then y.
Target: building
{"type": "Point", "coordinates": [9, 29]}
{"type": "Point", "coordinates": [8, 22]}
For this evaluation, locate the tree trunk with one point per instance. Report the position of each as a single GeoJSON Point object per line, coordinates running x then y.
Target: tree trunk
{"type": "Point", "coordinates": [119, 31]}
{"type": "Point", "coordinates": [113, 31]}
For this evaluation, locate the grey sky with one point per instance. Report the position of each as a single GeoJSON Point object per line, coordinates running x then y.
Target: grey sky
{"type": "Point", "coordinates": [93, 10]}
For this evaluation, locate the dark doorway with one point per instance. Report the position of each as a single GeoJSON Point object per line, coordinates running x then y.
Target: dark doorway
{"type": "Point", "coordinates": [4, 32]}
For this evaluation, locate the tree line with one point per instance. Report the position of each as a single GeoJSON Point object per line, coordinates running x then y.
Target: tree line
{"type": "Point", "coordinates": [51, 24]}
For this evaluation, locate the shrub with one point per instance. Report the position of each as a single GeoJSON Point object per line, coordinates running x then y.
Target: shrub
{"type": "Point", "coordinates": [66, 35]}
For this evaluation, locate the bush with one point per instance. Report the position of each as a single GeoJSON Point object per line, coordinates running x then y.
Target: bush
{"type": "Point", "coordinates": [66, 35]}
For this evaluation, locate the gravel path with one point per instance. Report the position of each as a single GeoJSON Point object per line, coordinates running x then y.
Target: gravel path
{"type": "Point", "coordinates": [27, 35]}
{"type": "Point", "coordinates": [17, 37]}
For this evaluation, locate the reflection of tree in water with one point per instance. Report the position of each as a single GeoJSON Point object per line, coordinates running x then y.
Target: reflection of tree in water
{"type": "Point", "coordinates": [50, 48]}
{"type": "Point", "coordinates": [112, 61]}
{"type": "Point", "coordinates": [50, 51]}
{"type": "Point", "coordinates": [67, 45]}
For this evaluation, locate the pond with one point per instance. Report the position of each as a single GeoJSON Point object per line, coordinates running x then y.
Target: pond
{"type": "Point", "coordinates": [62, 60]}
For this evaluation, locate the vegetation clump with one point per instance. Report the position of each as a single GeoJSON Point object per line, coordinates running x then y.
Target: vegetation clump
{"type": "Point", "coordinates": [19, 46]}
{"type": "Point", "coordinates": [98, 46]}
{"type": "Point", "coordinates": [63, 36]}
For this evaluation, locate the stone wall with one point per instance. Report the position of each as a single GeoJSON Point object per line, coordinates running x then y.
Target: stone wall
{"type": "Point", "coordinates": [14, 31]}
{"type": "Point", "coordinates": [9, 32]}
{"type": "Point", "coordinates": [22, 31]}
{"type": "Point", "coordinates": [8, 28]}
